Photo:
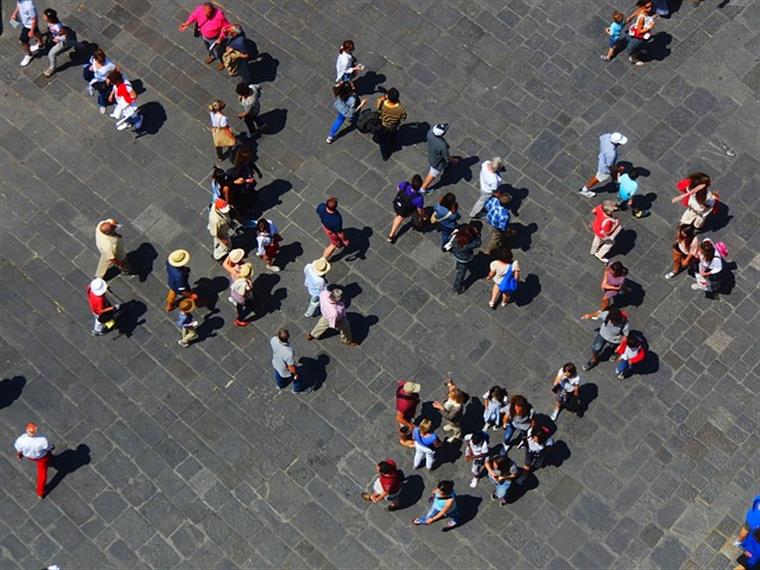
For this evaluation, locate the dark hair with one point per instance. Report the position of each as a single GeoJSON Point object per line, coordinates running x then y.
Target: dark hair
{"type": "Point", "coordinates": [701, 195]}
{"type": "Point", "coordinates": [99, 55]}
{"type": "Point", "coordinates": [519, 400]}
{"type": "Point", "coordinates": [465, 234]}
{"type": "Point", "coordinates": [570, 369]}
{"type": "Point", "coordinates": [243, 156]}
{"type": "Point", "coordinates": [708, 250]}
{"type": "Point", "coordinates": [502, 464]}
{"type": "Point", "coordinates": [392, 95]}
{"type": "Point", "coordinates": [347, 45]}
{"type": "Point", "coordinates": [220, 176]}
{"type": "Point", "coordinates": [283, 335]}
{"type": "Point", "coordinates": [615, 316]}
{"type": "Point", "coordinates": [51, 15]}
{"type": "Point", "coordinates": [477, 437]}
{"type": "Point", "coordinates": [262, 226]}
{"type": "Point", "coordinates": [618, 269]}
{"type": "Point", "coordinates": [243, 88]}
{"type": "Point", "coordinates": [504, 254]}
{"type": "Point", "coordinates": [642, 3]}
{"type": "Point", "coordinates": [115, 76]}
{"type": "Point", "coordinates": [633, 341]}
{"type": "Point", "coordinates": [416, 181]}
{"type": "Point", "coordinates": [686, 232]}
{"type": "Point", "coordinates": [617, 15]}
{"type": "Point", "coordinates": [386, 468]}
{"type": "Point", "coordinates": [446, 487]}
{"type": "Point", "coordinates": [504, 198]}
{"type": "Point", "coordinates": [343, 90]}
{"type": "Point", "coordinates": [448, 200]}
{"type": "Point", "coordinates": [697, 178]}
{"type": "Point", "coordinates": [209, 5]}
{"type": "Point", "coordinates": [496, 392]}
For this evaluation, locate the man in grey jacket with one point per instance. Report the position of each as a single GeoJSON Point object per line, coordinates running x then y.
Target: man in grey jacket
{"type": "Point", "coordinates": [438, 154]}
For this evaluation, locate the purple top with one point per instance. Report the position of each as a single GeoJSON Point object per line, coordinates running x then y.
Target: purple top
{"type": "Point", "coordinates": [613, 281]}
{"type": "Point", "coordinates": [416, 199]}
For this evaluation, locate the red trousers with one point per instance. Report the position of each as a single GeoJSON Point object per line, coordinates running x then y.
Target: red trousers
{"type": "Point", "coordinates": [42, 466]}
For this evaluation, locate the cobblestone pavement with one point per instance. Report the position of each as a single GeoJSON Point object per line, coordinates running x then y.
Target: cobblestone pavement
{"type": "Point", "coordinates": [193, 459]}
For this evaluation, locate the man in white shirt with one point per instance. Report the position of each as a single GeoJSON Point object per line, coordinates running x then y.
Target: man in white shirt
{"type": "Point", "coordinates": [490, 180]}
{"type": "Point", "coordinates": [35, 447]}
{"type": "Point", "coordinates": [26, 13]}
{"type": "Point", "coordinates": [283, 362]}
{"type": "Point", "coordinates": [315, 282]}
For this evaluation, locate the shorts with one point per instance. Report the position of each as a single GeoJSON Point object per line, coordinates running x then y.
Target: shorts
{"type": "Point", "coordinates": [334, 238]}
{"type": "Point", "coordinates": [434, 172]}
{"type": "Point", "coordinates": [23, 36]}
{"type": "Point", "coordinates": [271, 250]}
{"type": "Point", "coordinates": [601, 177]}
{"type": "Point", "coordinates": [614, 43]}
{"type": "Point", "coordinates": [601, 345]}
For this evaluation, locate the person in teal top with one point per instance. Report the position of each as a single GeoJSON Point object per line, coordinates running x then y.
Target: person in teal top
{"type": "Point", "coordinates": [443, 504]}
{"type": "Point", "coordinates": [627, 187]}
{"type": "Point", "coordinates": [615, 31]}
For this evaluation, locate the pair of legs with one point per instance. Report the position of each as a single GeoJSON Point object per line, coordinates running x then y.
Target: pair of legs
{"type": "Point", "coordinates": [480, 204]}
{"type": "Point", "coordinates": [388, 139]}
{"type": "Point", "coordinates": [432, 174]}
{"type": "Point", "coordinates": [597, 179]}
{"type": "Point", "coordinates": [342, 326]}
{"type": "Point", "coordinates": [214, 52]}
{"type": "Point", "coordinates": [635, 46]}
{"type": "Point", "coordinates": [422, 453]}
{"type": "Point", "coordinates": [222, 152]}
{"type": "Point", "coordinates": [495, 294]}
{"type": "Point", "coordinates": [187, 335]}
{"type": "Point", "coordinates": [600, 247]}
{"type": "Point", "coordinates": [219, 249]}
{"type": "Point", "coordinates": [336, 241]}
{"type": "Point", "coordinates": [452, 515]}
{"type": "Point", "coordinates": [337, 123]}
{"type": "Point", "coordinates": [56, 50]}
{"type": "Point", "coordinates": [242, 310]}
{"type": "Point", "coordinates": [511, 433]}
{"type": "Point", "coordinates": [417, 221]}
{"type": "Point", "coordinates": [173, 298]}
{"type": "Point", "coordinates": [502, 487]}
{"type": "Point", "coordinates": [104, 264]}
{"type": "Point", "coordinates": [613, 45]}
{"type": "Point", "coordinates": [99, 87]}
{"type": "Point", "coordinates": [313, 307]}
{"type": "Point", "coordinates": [459, 277]}
{"type": "Point", "coordinates": [599, 349]}
{"type": "Point", "coordinates": [681, 261]}
{"type": "Point", "coordinates": [455, 429]}
{"type": "Point", "coordinates": [623, 368]}
{"type": "Point", "coordinates": [282, 381]}
{"type": "Point", "coordinates": [25, 37]}
{"type": "Point", "coordinates": [446, 232]}
{"type": "Point", "coordinates": [252, 123]}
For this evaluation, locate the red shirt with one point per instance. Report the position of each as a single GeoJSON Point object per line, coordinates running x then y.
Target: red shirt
{"type": "Point", "coordinates": [406, 403]}
{"type": "Point", "coordinates": [603, 224]}
{"type": "Point", "coordinates": [98, 303]}
{"type": "Point", "coordinates": [391, 482]}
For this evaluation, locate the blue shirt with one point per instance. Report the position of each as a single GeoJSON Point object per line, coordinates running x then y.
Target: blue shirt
{"type": "Point", "coordinates": [184, 320]}
{"type": "Point", "coordinates": [627, 187]}
{"type": "Point", "coordinates": [346, 108]}
{"type": "Point", "coordinates": [449, 222]}
{"type": "Point", "coordinates": [616, 29]}
{"type": "Point", "coordinates": [607, 154]}
{"type": "Point", "coordinates": [424, 440]}
{"type": "Point", "coordinates": [239, 43]}
{"type": "Point", "coordinates": [498, 215]}
{"type": "Point", "coordinates": [177, 278]}
{"type": "Point", "coordinates": [333, 221]}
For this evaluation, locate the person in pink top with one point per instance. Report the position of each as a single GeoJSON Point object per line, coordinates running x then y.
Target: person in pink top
{"type": "Point", "coordinates": [210, 22]}
{"type": "Point", "coordinates": [333, 311]}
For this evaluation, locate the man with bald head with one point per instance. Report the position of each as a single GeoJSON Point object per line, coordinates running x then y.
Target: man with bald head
{"type": "Point", "coordinates": [35, 447]}
{"type": "Point", "coordinates": [108, 242]}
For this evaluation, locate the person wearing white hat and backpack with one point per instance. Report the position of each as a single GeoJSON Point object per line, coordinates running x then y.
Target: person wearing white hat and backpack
{"type": "Point", "coordinates": [606, 168]}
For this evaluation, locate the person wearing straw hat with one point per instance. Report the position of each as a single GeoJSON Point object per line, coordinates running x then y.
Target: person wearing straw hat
{"type": "Point", "coordinates": [233, 262]}
{"type": "Point", "coordinates": [186, 323]}
{"type": "Point", "coordinates": [315, 282]}
{"type": "Point", "coordinates": [35, 447]}
{"type": "Point", "coordinates": [178, 275]}
{"type": "Point", "coordinates": [219, 228]}
{"type": "Point", "coordinates": [100, 307]}
{"type": "Point", "coordinates": [240, 294]}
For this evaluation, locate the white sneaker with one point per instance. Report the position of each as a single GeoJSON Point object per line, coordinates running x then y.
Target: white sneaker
{"type": "Point", "coordinates": [554, 415]}
{"type": "Point", "coordinates": [603, 260]}
{"type": "Point", "coordinates": [273, 268]}
{"type": "Point", "coordinates": [698, 287]}
{"type": "Point", "coordinates": [122, 126]}
{"type": "Point", "coordinates": [26, 61]}
{"type": "Point", "coordinates": [669, 275]}
{"type": "Point", "coordinates": [102, 110]}
{"type": "Point", "coordinates": [90, 90]}
{"type": "Point", "coordinates": [34, 48]}
{"type": "Point", "coordinates": [474, 483]}
{"type": "Point", "coordinates": [115, 115]}
{"type": "Point", "coordinates": [586, 193]}
{"type": "Point", "coordinates": [329, 140]}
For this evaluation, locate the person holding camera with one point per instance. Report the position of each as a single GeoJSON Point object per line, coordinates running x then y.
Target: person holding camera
{"type": "Point", "coordinates": [407, 400]}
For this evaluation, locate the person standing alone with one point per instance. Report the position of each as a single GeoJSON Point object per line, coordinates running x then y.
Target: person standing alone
{"type": "Point", "coordinates": [108, 242]}
{"type": "Point", "coordinates": [35, 447]}
{"type": "Point", "coordinates": [392, 114]}
{"type": "Point", "coordinates": [606, 167]}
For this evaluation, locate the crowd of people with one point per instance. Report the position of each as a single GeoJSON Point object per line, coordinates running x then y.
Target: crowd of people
{"type": "Point", "coordinates": [232, 213]}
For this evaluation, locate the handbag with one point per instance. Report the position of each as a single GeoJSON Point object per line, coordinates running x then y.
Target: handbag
{"type": "Point", "coordinates": [223, 136]}
{"type": "Point", "coordinates": [196, 31]}
{"type": "Point", "coordinates": [508, 283]}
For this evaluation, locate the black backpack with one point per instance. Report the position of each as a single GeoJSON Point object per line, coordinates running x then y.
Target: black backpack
{"type": "Point", "coordinates": [368, 121]}
{"type": "Point", "coordinates": [402, 204]}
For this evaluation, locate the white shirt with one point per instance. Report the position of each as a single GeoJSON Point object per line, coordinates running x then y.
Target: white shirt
{"type": "Point", "coordinates": [476, 449]}
{"type": "Point", "coordinates": [489, 181]}
{"type": "Point", "coordinates": [569, 384]}
{"type": "Point", "coordinates": [343, 64]}
{"type": "Point", "coordinates": [32, 447]}
{"type": "Point", "coordinates": [218, 120]}
{"type": "Point", "coordinates": [314, 283]}
{"type": "Point", "coordinates": [26, 13]}
{"type": "Point", "coordinates": [713, 267]}
{"type": "Point", "coordinates": [263, 240]}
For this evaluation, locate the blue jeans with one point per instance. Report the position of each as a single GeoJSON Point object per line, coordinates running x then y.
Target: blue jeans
{"type": "Point", "coordinates": [459, 277]}
{"type": "Point", "coordinates": [622, 367]}
{"type": "Point", "coordinates": [501, 488]}
{"type": "Point", "coordinates": [298, 384]}
{"type": "Point", "coordinates": [280, 380]}
{"type": "Point", "coordinates": [635, 45]}
{"type": "Point", "coordinates": [445, 235]}
{"type": "Point", "coordinates": [338, 122]}
{"type": "Point", "coordinates": [453, 514]}
{"type": "Point", "coordinates": [510, 431]}
{"type": "Point", "coordinates": [100, 87]}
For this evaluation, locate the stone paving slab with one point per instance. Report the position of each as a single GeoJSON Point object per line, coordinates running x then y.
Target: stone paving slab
{"type": "Point", "coordinates": [194, 460]}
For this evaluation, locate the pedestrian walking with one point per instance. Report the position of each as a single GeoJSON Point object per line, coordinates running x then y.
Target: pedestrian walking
{"type": "Point", "coordinates": [333, 316]}
{"type": "Point", "coordinates": [407, 400]}
{"type": "Point", "coordinates": [237, 53]}
{"type": "Point", "coordinates": [611, 333]}
{"type": "Point", "coordinates": [62, 38]}
{"type": "Point", "coordinates": [566, 386]}
{"type": "Point", "coordinates": [535, 442]}
{"type": "Point", "coordinates": [221, 133]}
{"type": "Point", "coordinates": [112, 253]}
{"type": "Point", "coordinates": [750, 546]}
{"type": "Point", "coordinates": [438, 154]}
{"type": "Point", "coordinates": [446, 214]}
{"type": "Point", "coordinates": [476, 452]}
{"type": "Point", "coordinates": [613, 284]}
{"type": "Point", "coordinates": [392, 114]}
{"type": "Point", "coordinates": [504, 273]}
{"type": "Point", "coordinates": [34, 446]}
{"type": "Point", "coordinates": [443, 504]}
{"type": "Point", "coordinates": [177, 278]}
{"type": "Point", "coordinates": [124, 97]}
{"type": "Point", "coordinates": [615, 31]}
{"type": "Point", "coordinates": [516, 420]}
{"type": "Point", "coordinates": [630, 351]}
{"type": "Point", "coordinates": [315, 282]}
{"type": "Point", "coordinates": [627, 188]}
{"type": "Point", "coordinates": [606, 168]}
{"type": "Point", "coordinates": [219, 228]}
{"type": "Point", "coordinates": [100, 307]}
{"type": "Point", "coordinates": [210, 22]}
{"type": "Point", "coordinates": [463, 243]}
{"type": "Point", "coordinates": [502, 472]}
{"type": "Point", "coordinates": [268, 240]}
{"type": "Point", "coordinates": [95, 73]}
{"type": "Point", "coordinates": [241, 292]}
{"type": "Point", "coordinates": [495, 406]}
{"type": "Point", "coordinates": [332, 225]}
{"type": "Point", "coordinates": [751, 522]}
{"type": "Point", "coordinates": [25, 12]}
{"type": "Point", "coordinates": [452, 410]}
{"type": "Point", "coordinates": [700, 204]}
{"type": "Point", "coordinates": [606, 228]}
{"type": "Point", "coordinates": [249, 96]}
{"type": "Point", "coordinates": [346, 66]}
{"type": "Point", "coordinates": [386, 486]}
{"type": "Point", "coordinates": [242, 186]}
{"type": "Point", "coordinates": [710, 268]}
{"type": "Point", "coordinates": [347, 105]}
{"type": "Point", "coordinates": [186, 323]}
{"type": "Point", "coordinates": [409, 201]}
{"type": "Point", "coordinates": [425, 444]}
{"type": "Point", "coordinates": [685, 250]}
{"type": "Point", "coordinates": [283, 363]}
{"type": "Point", "coordinates": [497, 216]}
{"type": "Point", "coordinates": [640, 31]}
{"type": "Point", "coordinates": [490, 180]}
{"type": "Point", "coordinates": [233, 262]}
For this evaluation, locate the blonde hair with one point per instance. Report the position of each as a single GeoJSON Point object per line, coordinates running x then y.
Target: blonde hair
{"type": "Point", "coordinates": [425, 426]}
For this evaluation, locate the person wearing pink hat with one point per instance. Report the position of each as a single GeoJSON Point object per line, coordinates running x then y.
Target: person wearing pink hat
{"type": "Point", "coordinates": [606, 168]}
{"type": "Point", "coordinates": [35, 447]}
{"type": "Point", "coordinates": [219, 228]}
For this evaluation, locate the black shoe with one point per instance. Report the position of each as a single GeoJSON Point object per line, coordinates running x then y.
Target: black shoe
{"type": "Point", "coordinates": [588, 366]}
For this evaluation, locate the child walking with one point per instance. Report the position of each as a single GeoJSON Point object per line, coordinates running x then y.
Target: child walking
{"type": "Point", "coordinates": [615, 31]}
{"type": "Point", "coordinates": [495, 402]}
{"type": "Point", "coordinates": [186, 323]}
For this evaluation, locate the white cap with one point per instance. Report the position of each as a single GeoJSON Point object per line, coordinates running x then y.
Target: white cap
{"type": "Point", "coordinates": [440, 129]}
{"type": "Point", "coordinates": [618, 138]}
{"type": "Point", "coordinates": [98, 286]}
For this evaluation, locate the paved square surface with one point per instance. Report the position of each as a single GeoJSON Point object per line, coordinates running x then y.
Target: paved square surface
{"type": "Point", "coordinates": [190, 458]}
